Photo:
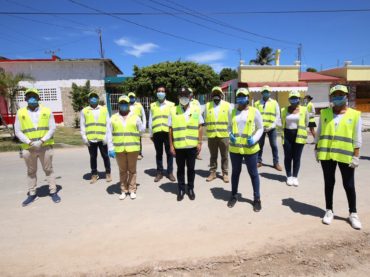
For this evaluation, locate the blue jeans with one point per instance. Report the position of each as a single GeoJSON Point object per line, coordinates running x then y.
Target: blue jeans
{"type": "Point", "coordinates": [292, 152]}
{"type": "Point", "coordinates": [272, 138]}
{"type": "Point", "coordinates": [236, 164]}
{"type": "Point", "coordinates": [161, 139]}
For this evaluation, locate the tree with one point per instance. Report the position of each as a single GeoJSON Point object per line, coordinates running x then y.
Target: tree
{"type": "Point", "coordinates": [79, 97]}
{"type": "Point", "coordinates": [173, 75]}
{"type": "Point", "coordinates": [9, 87]}
{"type": "Point", "coordinates": [227, 74]}
{"type": "Point", "coordinates": [311, 69]}
{"type": "Point", "coordinates": [264, 56]}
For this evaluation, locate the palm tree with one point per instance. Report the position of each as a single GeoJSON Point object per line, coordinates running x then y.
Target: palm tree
{"type": "Point", "coordinates": [9, 87]}
{"type": "Point", "coordinates": [264, 56]}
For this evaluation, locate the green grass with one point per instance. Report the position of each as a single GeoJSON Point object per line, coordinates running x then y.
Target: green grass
{"type": "Point", "coordinates": [63, 136]}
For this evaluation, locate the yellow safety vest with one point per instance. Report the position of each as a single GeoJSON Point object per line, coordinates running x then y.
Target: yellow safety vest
{"type": "Point", "coordinates": [217, 127]}
{"type": "Point", "coordinates": [138, 109]}
{"type": "Point", "coordinates": [160, 116]}
{"type": "Point", "coordinates": [269, 113]}
{"type": "Point", "coordinates": [125, 138]}
{"type": "Point", "coordinates": [194, 102]}
{"type": "Point", "coordinates": [241, 145]}
{"type": "Point", "coordinates": [310, 110]}
{"type": "Point", "coordinates": [185, 133]}
{"type": "Point", "coordinates": [95, 130]}
{"type": "Point", "coordinates": [337, 144]}
{"type": "Point", "coordinates": [28, 128]}
{"type": "Point", "coordinates": [302, 128]}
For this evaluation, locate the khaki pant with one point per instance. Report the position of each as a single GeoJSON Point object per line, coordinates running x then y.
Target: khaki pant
{"type": "Point", "coordinates": [127, 170]}
{"type": "Point", "coordinates": [45, 154]}
{"type": "Point", "coordinates": [213, 145]}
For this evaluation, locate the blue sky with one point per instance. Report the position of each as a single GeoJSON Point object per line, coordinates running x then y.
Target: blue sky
{"type": "Point", "coordinates": [326, 37]}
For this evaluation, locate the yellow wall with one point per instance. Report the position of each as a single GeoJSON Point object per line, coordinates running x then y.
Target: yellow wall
{"type": "Point", "coordinates": [358, 73]}
{"type": "Point", "coordinates": [268, 73]}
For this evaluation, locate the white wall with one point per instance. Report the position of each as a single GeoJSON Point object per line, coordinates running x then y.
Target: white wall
{"type": "Point", "coordinates": [320, 94]}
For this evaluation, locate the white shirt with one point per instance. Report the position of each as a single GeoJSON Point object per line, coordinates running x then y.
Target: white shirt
{"type": "Point", "coordinates": [162, 105]}
{"type": "Point", "coordinates": [187, 116]}
{"type": "Point", "coordinates": [34, 115]}
{"type": "Point", "coordinates": [216, 109]}
{"type": "Point", "coordinates": [139, 124]}
{"type": "Point", "coordinates": [277, 118]}
{"type": "Point", "coordinates": [96, 113]}
{"type": "Point", "coordinates": [292, 120]}
{"type": "Point", "coordinates": [357, 140]}
{"type": "Point", "coordinates": [241, 120]}
{"type": "Point", "coordinates": [143, 116]}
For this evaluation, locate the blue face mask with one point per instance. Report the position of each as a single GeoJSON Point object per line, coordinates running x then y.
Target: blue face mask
{"type": "Point", "coordinates": [124, 107]}
{"type": "Point", "coordinates": [161, 95]}
{"type": "Point", "coordinates": [265, 95]}
{"type": "Point", "coordinates": [339, 100]}
{"type": "Point", "coordinates": [132, 100]}
{"type": "Point", "coordinates": [33, 102]}
{"type": "Point", "coordinates": [242, 100]}
{"type": "Point", "coordinates": [93, 100]}
{"type": "Point", "coordinates": [294, 101]}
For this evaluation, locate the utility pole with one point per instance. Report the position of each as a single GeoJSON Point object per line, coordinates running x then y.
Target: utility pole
{"type": "Point", "coordinates": [337, 62]}
{"type": "Point", "coordinates": [100, 43]}
{"type": "Point", "coordinates": [240, 54]}
{"type": "Point", "coordinates": [299, 55]}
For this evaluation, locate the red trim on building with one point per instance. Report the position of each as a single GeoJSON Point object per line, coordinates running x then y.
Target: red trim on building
{"type": "Point", "coordinates": [53, 59]}
{"type": "Point", "coordinates": [317, 77]}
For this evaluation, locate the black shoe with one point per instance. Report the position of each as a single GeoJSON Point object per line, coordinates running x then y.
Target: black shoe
{"type": "Point", "coordinates": [257, 205]}
{"type": "Point", "coordinates": [180, 195]}
{"type": "Point", "coordinates": [191, 194]}
{"type": "Point", "coordinates": [232, 201]}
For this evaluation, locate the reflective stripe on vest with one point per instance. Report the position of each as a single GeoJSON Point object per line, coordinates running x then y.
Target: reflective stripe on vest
{"type": "Point", "coordinates": [160, 116]}
{"type": "Point", "coordinates": [302, 129]}
{"type": "Point", "coordinates": [185, 133]}
{"type": "Point", "coordinates": [269, 113]}
{"type": "Point", "coordinates": [217, 127]}
{"type": "Point", "coordinates": [125, 138]}
{"type": "Point", "coordinates": [241, 146]}
{"type": "Point", "coordinates": [29, 129]}
{"type": "Point", "coordinates": [95, 130]}
{"type": "Point", "coordinates": [337, 144]}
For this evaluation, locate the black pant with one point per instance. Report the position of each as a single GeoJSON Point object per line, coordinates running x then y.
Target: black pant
{"type": "Point", "coordinates": [348, 179]}
{"type": "Point", "coordinates": [93, 150]}
{"type": "Point", "coordinates": [292, 152]}
{"type": "Point", "coordinates": [188, 157]}
{"type": "Point", "coordinates": [160, 139]}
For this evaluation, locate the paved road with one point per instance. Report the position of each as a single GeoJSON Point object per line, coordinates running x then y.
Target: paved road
{"type": "Point", "coordinates": [92, 231]}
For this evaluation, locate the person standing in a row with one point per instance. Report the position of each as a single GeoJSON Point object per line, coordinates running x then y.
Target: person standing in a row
{"type": "Point", "coordinates": [159, 133]}
{"type": "Point", "coordinates": [138, 109]}
{"type": "Point", "coordinates": [311, 112]}
{"type": "Point", "coordinates": [294, 136]}
{"type": "Point", "coordinates": [35, 126]}
{"type": "Point", "coordinates": [338, 143]}
{"type": "Point", "coordinates": [94, 121]}
{"type": "Point", "coordinates": [246, 128]}
{"type": "Point", "coordinates": [185, 125]}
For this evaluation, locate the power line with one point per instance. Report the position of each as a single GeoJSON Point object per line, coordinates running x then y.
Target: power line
{"type": "Point", "coordinates": [151, 28]}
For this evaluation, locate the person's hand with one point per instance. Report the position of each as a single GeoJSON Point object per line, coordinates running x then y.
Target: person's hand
{"type": "Point", "coordinates": [86, 142]}
{"type": "Point", "coordinates": [173, 151]}
{"type": "Point", "coordinates": [250, 141]}
{"type": "Point", "coordinates": [355, 162]}
{"type": "Point", "coordinates": [104, 141]}
{"type": "Point", "coordinates": [316, 156]}
{"type": "Point", "coordinates": [111, 154]}
{"type": "Point", "coordinates": [199, 148]}
{"type": "Point", "coordinates": [37, 144]}
{"type": "Point", "coordinates": [232, 138]}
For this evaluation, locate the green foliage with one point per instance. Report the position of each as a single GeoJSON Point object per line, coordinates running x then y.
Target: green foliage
{"type": "Point", "coordinates": [173, 75]}
{"type": "Point", "coordinates": [79, 96]}
{"type": "Point", "coordinates": [264, 56]}
{"type": "Point", "coordinates": [227, 74]}
{"type": "Point", "coordinates": [311, 69]}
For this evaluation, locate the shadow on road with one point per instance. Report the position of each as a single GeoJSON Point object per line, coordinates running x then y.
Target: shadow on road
{"type": "Point", "coordinates": [306, 209]}
{"type": "Point", "coordinates": [152, 172]}
{"type": "Point", "coordinates": [169, 187]}
{"type": "Point", "coordinates": [222, 194]}
{"type": "Point", "coordinates": [272, 176]}
{"type": "Point", "coordinates": [365, 158]}
{"type": "Point", "coordinates": [43, 191]}
{"type": "Point", "coordinates": [87, 176]}
{"type": "Point", "coordinates": [202, 173]}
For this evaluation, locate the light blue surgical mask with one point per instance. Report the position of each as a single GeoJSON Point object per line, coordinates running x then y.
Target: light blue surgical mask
{"type": "Point", "coordinates": [123, 107]}
{"type": "Point", "coordinates": [161, 95]}
{"type": "Point", "coordinates": [33, 102]}
{"type": "Point", "coordinates": [242, 100]}
{"type": "Point", "coordinates": [265, 95]}
{"type": "Point", "coordinates": [339, 101]}
{"type": "Point", "coordinates": [132, 100]}
{"type": "Point", "coordinates": [294, 101]}
{"type": "Point", "coordinates": [184, 100]}
{"type": "Point", "coordinates": [93, 100]}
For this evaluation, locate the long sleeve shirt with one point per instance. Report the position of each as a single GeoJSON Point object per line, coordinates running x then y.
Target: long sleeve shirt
{"type": "Point", "coordinates": [277, 108]}
{"type": "Point", "coordinates": [241, 121]}
{"type": "Point", "coordinates": [34, 115]}
{"type": "Point", "coordinates": [139, 124]}
{"type": "Point", "coordinates": [96, 113]}
{"type": "Point", "coordinates": [143, 116]}
{"type": "Point", "coordinates": [161, 106]}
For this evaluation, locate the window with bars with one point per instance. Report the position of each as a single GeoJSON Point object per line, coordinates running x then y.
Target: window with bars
{"type": "Point", "coordinates": [46, 94]}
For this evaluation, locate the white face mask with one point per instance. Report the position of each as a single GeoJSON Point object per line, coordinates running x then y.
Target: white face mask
{"type": "Point", "coordinates": [184, 101]}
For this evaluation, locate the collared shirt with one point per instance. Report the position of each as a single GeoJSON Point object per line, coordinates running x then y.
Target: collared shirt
{"type": "Point", "coordinates": [187, 116]}
{"type": "Point", "coordinates": [139, 124]}
{"type": "Point", "coordinates": [277, 118]}
{"type": "Point", "coordinates": [96, 113]}
{"type": "Point", "coordinates": [216, 109]}
{"type": "Point", "coordinates": [162, 105]}
{"type": "Point", "coordinates": [34, 115]}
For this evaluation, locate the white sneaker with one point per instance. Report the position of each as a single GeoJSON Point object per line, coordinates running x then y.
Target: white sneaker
{"type": "Point", "coordinates": [295, 181]}
{"type": "Point", "coordinates": [328, 217]}
{"type": "Point", "coordinates": [132, 195]}
{"type": "Point", "coordinates": [122, 196]}
{"type": "Point", "coordinates": [289, 181]}
{"type": "Point", "coordinates": [355, 221]}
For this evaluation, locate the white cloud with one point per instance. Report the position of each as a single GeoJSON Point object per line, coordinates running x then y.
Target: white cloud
{"type": "Point", "coordinates": [50, 38]}
{"type": "Point", "coordinates": [217, 66]}
{"type": "Point", "coordinates": [134, 49]}
{"type": "Point", "coordinates": [206, 57]}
